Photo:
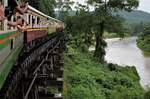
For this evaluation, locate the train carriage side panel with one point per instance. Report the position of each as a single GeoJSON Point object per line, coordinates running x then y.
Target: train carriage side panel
{"type": "Point", "coordinates": [10, 47]}
{"type": "Point", "coordinates": [33, 34]}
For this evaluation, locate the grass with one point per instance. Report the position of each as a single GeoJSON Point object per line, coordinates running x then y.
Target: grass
{"type": "Point", "coordinates": [87, 79]}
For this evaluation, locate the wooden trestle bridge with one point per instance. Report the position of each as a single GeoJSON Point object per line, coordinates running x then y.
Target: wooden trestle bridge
{"type": "Point", "coordinates": [38, 72]}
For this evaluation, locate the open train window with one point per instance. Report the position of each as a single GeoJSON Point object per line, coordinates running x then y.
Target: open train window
{"type": "Point", "coordinates": [29, 19]}
{"type": "Point", "coordinates": [33, 20]}
{"type": "Point", "coordinates": [1, 22]}
{"type": "Point", "coordinates": [38, 20]}
{"type": "Point", "coordinates": [12, 4]}
{"type": "Point", "coordinates": [1, 25]}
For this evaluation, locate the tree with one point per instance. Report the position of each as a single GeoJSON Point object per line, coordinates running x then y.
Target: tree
{"type": "Point", "coordinates": [102, 12]}
{"type": "Point", "coordinates": [147, 29]}
{"type": "Point", "coordinates": [139, 28]}
{"type": "Point", "coordinates": [115, 24]}
{"type": "Point", "coordinates": [79, 28]}
{"type": "Point", "coordinates": [64, 6]}
{"type": "Point", "coordinates": [46, 6]}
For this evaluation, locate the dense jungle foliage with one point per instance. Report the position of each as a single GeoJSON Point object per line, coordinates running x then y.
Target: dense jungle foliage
{"type": "Point", "coordinates": [88, 79]}
{"type": "Point", "coordinates": [143, 41]}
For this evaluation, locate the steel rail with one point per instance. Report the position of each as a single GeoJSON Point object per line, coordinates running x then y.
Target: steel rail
{"type": "Point", "coordinates": [35, 72]}
{"type": "Point", "coordinates": [27, 94]}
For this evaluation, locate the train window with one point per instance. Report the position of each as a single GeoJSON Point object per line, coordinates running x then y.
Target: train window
{"type": "Point", "coordinates": [12, 44]}
{"type": "Point", "coordinates": [12, 4]}
{"type": "Point", "coordinates": [38, 20]}
{"type": "Point", "coordinates": [33, 20]}
{"type": "Point", "coordinates": [1, 22]}
{"type": "Point", "coordinates": [13, 19]}
{"type": "Point", "coordinates": [29, 19]}
{"type": "Point", "coordinates": [1, 26]}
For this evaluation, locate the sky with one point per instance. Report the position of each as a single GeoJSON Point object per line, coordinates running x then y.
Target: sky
{"type": "Point", "coordinates": [144, 5]}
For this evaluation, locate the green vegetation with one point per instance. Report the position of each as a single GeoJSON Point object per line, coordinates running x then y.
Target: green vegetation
{"type": "Point", "coordinates": [135, 16]}
{"type": "Point", "coordinates": [110, 35]}
{"type": "Point", "coordinates": [46, 6]}
{"type": "Point", "coordinates": [116, 35]}
{"type": "Point", "coordinates": [132, 25]}
{"type": "Point", "coordinates": [147, 94]}
{"type": "Point", "coordinates": [87, 76]}
{"type": "Point", "coordinates": [88, 79]}
{"type": "Point", "coordinates": [134, 21]}
{"type": "Point", "coordinates": [143, 41]}
{"type": "Point", "coordinates": [87, 26]}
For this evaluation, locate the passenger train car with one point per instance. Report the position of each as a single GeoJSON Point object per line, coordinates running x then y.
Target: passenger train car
{"type": "Point", "coordinates": [12, 40]}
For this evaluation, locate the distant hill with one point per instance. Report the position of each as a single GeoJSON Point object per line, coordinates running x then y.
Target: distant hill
{"type": "Point", "coordinates": [135, 16]}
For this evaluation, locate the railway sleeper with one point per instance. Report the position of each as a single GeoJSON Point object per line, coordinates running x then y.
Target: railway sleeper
{"type": "Point", "coordinates": [13, 82]}
{"type": "Point", "coordinates": [50, 95]}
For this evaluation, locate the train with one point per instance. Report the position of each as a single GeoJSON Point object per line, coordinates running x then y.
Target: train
{"type": "Point", "coordinates": [12, 41]}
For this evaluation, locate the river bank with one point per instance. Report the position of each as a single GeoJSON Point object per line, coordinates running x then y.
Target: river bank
{"type": "Point", "coordinates": [108, 35]}
{"type": "Point", "coordinates": [125, 52]}
{"type": "Point", "coordinates": [143, 42]}
{"type": "Point", "coordinates": [87, 79]}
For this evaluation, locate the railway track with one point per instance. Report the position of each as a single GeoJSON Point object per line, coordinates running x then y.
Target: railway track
{"type": "Point", "coordinates": [38, 72]}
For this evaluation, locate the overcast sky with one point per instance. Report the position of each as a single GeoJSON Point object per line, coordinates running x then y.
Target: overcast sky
{"type": "Point", "coordinates": [144, 5]}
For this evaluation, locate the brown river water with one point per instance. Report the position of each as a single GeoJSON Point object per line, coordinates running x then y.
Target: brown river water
{"type": "Point", "coordinates": [125, 52]}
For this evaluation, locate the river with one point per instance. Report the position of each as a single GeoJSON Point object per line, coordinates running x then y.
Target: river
{"type": "Point", "coordinates": [125, 52]}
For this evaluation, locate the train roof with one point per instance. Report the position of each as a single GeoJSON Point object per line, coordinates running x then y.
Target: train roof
{"type": "Point", "coordinates": [41, 13]}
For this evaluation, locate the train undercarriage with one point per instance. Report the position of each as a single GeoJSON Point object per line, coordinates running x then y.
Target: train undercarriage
{"type": "Point", "coordinates": [38, 71]}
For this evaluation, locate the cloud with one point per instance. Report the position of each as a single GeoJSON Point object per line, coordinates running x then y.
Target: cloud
{"type": "Point", "coordinates": [144, 5]}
